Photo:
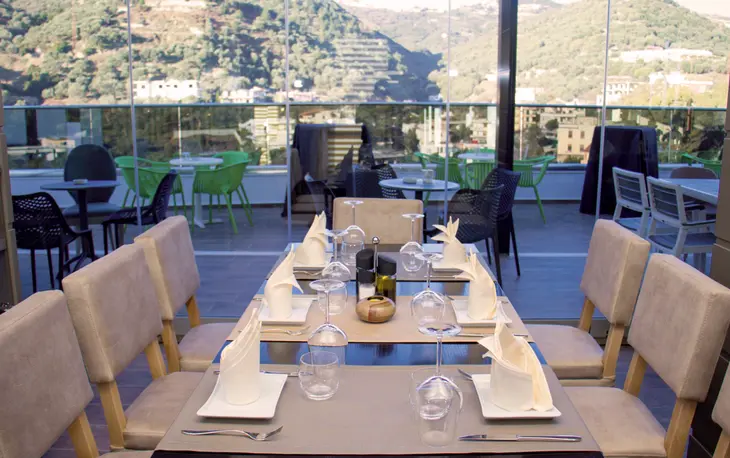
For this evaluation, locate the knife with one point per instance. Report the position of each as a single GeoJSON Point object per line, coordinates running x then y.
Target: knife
{"type": "Point", "coordinates": [518, 438]}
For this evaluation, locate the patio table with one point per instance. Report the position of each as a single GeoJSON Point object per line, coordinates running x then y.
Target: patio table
{"type": "Point", "coordinates": [705, 190]}
{"type": "Point", "coordinates": [196, 163]}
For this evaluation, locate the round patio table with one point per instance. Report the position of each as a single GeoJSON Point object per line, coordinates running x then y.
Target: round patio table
{"type": "Point", "coordinates": [198, 163]}
{"type": "Point", "coordinates": [478, 156]}
{"type": "Point", "coordinates": [419, 187]}
{"type": "Point", "coordinates": [80, 189]}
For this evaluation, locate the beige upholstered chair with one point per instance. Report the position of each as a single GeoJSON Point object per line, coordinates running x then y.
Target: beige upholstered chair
{"type": "Point", "coordinates": [171, 260]}
{"type": "Point", "coordinates": [678, 330]}
{"type": "Point", "coordinates": [44, 388]}
{"type": "Point", "coordinates": [382, 218]}
{"type": "Point", "coordinates": [611, 280]}
{"type": "Point", "coordinates": [114, 310]}
{"type": "Point", "coordinates": [721, 416]}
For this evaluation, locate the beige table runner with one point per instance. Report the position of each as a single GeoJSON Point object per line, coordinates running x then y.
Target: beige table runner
{"type": "Point", "coordinates": [400, 329]}
{"type": "Point", "coordinates": [369, 415]}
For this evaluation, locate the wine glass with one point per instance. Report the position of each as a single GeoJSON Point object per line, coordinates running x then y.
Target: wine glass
{"type": "Point", "coordinates": [354, 238]}
{"type": "Point", "coordinates": [410, 251]}
{"type": "Point", "coordinates": [336, 269]}
{"type": "Point", "coordinates": [328, 337]}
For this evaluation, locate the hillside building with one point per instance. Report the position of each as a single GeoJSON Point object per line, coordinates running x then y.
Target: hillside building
{"type": "Point", "coordinates": [172, 90]}
{"type": "Point", "coordinates": [575, 139]}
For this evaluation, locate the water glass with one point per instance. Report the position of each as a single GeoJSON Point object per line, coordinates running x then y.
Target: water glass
{"type": "Point", "coordinates": [319, 374]}
{"type": "Point", "coordinates": [437, 411]}
{"type": "Point", "coordinates": [338, 301]}
{"type": "Point", "coordinates": [186, 155]}
{"type": "Point", "coordinates": [428, 176]}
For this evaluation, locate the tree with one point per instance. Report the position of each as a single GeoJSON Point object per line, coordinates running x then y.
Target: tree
{"type": "Point", "coordinates": [411, 142]}
{"type": "Point", "coordinates": [553, 124]}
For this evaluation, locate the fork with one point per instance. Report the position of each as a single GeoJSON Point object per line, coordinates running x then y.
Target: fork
{"type": "Point", "coordinates": [465, 374]}
{"type": "Point", "coordinates": [468, 334]}
{"type": "Point", "coordinates": [259, 437]}
{"type": "Point", "coordinates": [290, 332]}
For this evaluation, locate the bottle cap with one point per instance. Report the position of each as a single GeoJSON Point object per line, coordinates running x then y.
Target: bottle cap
{"type": "Point", "coordinates": [365, 276]}
{"type": "Point", "coordinates": [387, 266]}
{"type": "Point", "coordinates": [364, 259]}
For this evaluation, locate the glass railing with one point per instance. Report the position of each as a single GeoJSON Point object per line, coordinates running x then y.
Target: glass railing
{"type": "Point", "coordinates": [39, 137]}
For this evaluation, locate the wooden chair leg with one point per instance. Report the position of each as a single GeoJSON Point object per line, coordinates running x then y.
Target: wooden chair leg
{"type": "Point", "coordinates": [169, 341]}
{"type": "Point", "coordinates": [635, 376]}
{"type": "Point", "coordinates": [586, 315]}
{"type": "Point", "coordinates": [114, 413]}
{"type": "Point", "coordinates": [610, 353]}
{"type": "Point", "coordinates": [155, 360]}
{"type": "Point", "coordinates": [82, 437]}
{"type": "Point", "coordinates": [678, 432]}
{"type": "Point", "coordinates": [722, 450]}
{"type": "Point", "coordinates": [193, 311]}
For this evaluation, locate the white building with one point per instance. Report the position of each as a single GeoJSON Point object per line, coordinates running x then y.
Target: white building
{"type": "Point", "coordinates": [681, 80]}
{"type": "Point", "coordinates": [174, 90]}
{"type": "Point", "coordinates": [656, 53]}
{"type": "Point", "coordinates": [243, 95]}
{"type": "Point", "coordinates": [616, 88]}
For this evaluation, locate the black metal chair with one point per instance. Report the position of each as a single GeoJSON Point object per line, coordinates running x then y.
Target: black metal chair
{"type": "Point", "coordinates": [153, 213]}
{"type": "Point", "coordinates": [92, 162]}
{"type": "Point", "coordinates": [476, 210]}
{"type": "Point", "coordinates": [366, 183]}
{"type": "Point", "coordinates": [386, 172]}
{"type": "Point", "coordinates": [40, 225]}
{"type": "Point", "coordinates": [509, 180]}
{"type": "Point", "coordinates": [322, 198]}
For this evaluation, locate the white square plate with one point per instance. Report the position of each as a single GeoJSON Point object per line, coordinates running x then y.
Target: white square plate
{"type": "Point", "coordinates": [492, 412]}
{"type": "Point", "coordinates": [299, 309]}
{"type": "Point", "coordinates": [327, 258]}
{"type": "Point", "coordinates": [262, 409]}
{"type": "Point", "coordinates": [442, 267]}
{"type": "Point", "coordinates": [462, 316]}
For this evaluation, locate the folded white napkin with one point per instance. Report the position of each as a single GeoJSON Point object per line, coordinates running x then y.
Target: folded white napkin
{"type": "Point", "coordinates": [482, 300]}
{"type": "Point", "coordinates": [454, 252]}
{"type": "Point", "coordinates": [278, 289]}
{"type": "Point", "coordinates": [518, 382]}
{"type": "Point", "coordinates": [312, 250]}
{"type": "Point", "coordinates": [239, 376]}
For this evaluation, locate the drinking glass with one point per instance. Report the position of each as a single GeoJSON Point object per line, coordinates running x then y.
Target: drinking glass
{"type": "Point", "coordinates": [354, 237]}
{"type": "Point", "coordinates": [336, 269]}
{"type": "Point", "coordinates": [410, 251]}
{"type": "Point", "coordinates": [438, 402]}
{"type": "Point", "coordinates": [338, 301]}
{"type": "Point", "coordinates": [428, 176]}
{"type": "Point", "coordinates": [319, 374]}
{"type": "Point", "coordinates": [186, 155]}
{"type": "Point", "coordinates": [328, 337]}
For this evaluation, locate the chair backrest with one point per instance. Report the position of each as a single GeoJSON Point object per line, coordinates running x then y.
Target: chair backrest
{"type": "Point", "coordinates": [630, 189]}
{"type": "Point", "coordinates": [615, 265]}
{"type": "Point", "coordinates": [92, 162]}
{"type": "Point", "coordinates": [223, 180]}
{"type": "Point", "coordinates": [476, 210]}
{"type": "Point", "coordinates": [382, 218]}
{"type": "Point", "coordinates": [693, 172]}
{"type": "Point", "coordinates": [161, 200]}
{"type": "Point", "coordinates": [366, 183]}
{"type": "Point", "coordinates": [44, 384]}
{"type": "Point", "coordinates": [39, 222]}
{"type": "Point", "coordinates": [386, 172]}
{"type": "Point", "coordinates": [721, 411]}
{"type": "Point", "coordinates": [667, 202]}
{"type": "Point", "coordinates": [527, 168]}
{"type": "Point", "coordinates": [115, 311]}
{"type": "Point", "coordinates": [475, 173]}
{"type": "Point", "coordinates": [232, 157]}
{"type": "Point", "coordinates": [454, 172]}
{"type": "Point", "coordinates": [509, 180]}
{"type": "Point", "coordinates": [680, 324]}
{"type": "Point", "coordinates": [168, 249]}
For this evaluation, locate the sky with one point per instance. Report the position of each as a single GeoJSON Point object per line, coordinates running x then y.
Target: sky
{"type": "Point", "coordinates": [707, 7]}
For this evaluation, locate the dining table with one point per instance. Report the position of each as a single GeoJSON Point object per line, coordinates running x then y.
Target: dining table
{"type": "Point", "coordinates": [371, 413]}
{"type": "Point", "coordinates": [198, 163]}
{"type": "Point", "coordinates": [703, 189]}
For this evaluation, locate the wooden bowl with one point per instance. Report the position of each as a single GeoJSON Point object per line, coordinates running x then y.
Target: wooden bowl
{"type": "Point", "coordinates": [375, 309]}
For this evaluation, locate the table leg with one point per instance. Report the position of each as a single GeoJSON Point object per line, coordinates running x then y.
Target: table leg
{"type": "Point", "coordinates": [419, 196]}
{"type": "Point", "coordinates": [198, 202]}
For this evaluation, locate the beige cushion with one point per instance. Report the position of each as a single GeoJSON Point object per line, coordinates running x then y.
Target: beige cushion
{"type": "Point", "coordinates": [171, 259]}
{"type": "Point", "coordinates": [721, 411]}
{"type": "Point", "coordinates": [151, 414]}
{"type": "Point", "coordinates": [114, 310]}
{"type": "Point", "coordinates": [612, 275]}
{"type": "Point", "coordinates": [680, 324]}
{"type": "Point", "coordinates": [201, 344]}
{"type": "Point", "coordinates": [379, 217]}
{"type": "Point", "coordinates": [129, 454]}
{"type": "Point", "coordinates": [618, 421]}
{"type": "Point", "coordinates": [43, 384]}
{"type": "Point", "coordinates": [570, 352]}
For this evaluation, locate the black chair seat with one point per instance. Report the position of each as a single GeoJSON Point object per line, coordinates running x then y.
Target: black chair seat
{"type": "Point", "coordinates": [93, 209]}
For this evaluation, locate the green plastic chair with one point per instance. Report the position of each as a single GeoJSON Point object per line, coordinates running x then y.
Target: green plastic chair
{"type": "Point", "coordinates": [528, 178]}
{"type": "Point", "coordinates": [476, 172]}
{"type": "Point", "coordinates": [126, 164]}
{"type": "Point", "coordinates": [238, 157]}
{"type": "Point", "coordinates": [715, 166]}
{"type": "Point", "coordinates": [423, 159]}
{"type": "Point", "coordinates": [223, 181]}
{"type": "Point", "coordinates": [454, 170]}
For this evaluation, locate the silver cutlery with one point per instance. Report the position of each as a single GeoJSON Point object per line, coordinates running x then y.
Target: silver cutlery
{"type": "Point", "coordinates": [288, 374]}
{"type": "Point", "coordinates": [259, 437]}
{"type": "Point", "coordinates": [290, 332]}
{"type": "Point", "coordinates": [518, 438]}
{"type": "Point", "coordinates": [465, 374]}
{"type": "Point", "coordinates": [468, 334]}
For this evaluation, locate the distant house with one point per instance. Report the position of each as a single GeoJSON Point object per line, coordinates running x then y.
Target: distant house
{"type": "Point", "coordinates": [655, 53]}
{"type": "Point", "coordinates": [173, 90]}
